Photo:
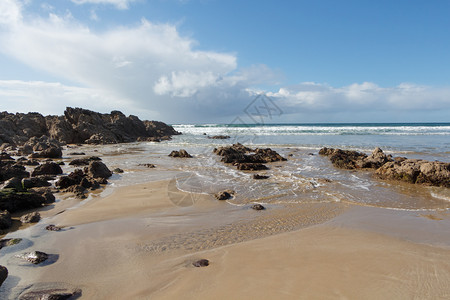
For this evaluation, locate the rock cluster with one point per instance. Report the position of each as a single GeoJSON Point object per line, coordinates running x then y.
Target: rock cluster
{"type": "Point", "coordinates": [76, 126]}
{"type": "Point", "coordinates": [386, 167]}
{"type": "Point", "coordinates": [244, 158]}
{"type": "Point", "coordinates": [182, 154]}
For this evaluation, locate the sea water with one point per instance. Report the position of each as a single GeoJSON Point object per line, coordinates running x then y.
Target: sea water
{"type": "Point", "coordinates": [305, 177]}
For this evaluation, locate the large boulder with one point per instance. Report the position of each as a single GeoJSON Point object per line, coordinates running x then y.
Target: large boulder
{"type": "Point", "coordinates": [9, 170]}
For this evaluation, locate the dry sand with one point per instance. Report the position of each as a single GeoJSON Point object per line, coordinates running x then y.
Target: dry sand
{"type": "Point", "coordinates": [137, 244]}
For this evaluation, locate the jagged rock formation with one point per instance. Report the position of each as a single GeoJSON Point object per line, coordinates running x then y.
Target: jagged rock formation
{"type": "Point", "coordinates": [386, 167]}
{"type": "Point", "coordinates": [78, 126]}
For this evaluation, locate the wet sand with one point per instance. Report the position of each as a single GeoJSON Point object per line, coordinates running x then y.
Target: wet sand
{"type": "Point", "coordinates": [140, 242]}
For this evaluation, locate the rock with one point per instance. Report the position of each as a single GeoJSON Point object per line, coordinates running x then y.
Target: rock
{"type": "Point", "coordinates": [3, 274]}
{"type": "Point", "coordinates": [51, 293]}
{"type": "Point", "coordinates": [224, 195]}
{"type": "Point", "coordinates": [250, 166]}
{"type": "Point", "coordinates": [78, 190]}
{"type": "Point", "coordinates": [9, 242]}
{"type": "Point", "coordinates": [51, 152]}
{"type": "Point", "coordinates": [80, 162]}
{"type": "Point", "coordinates": [14, 183]}
{"type": "Point", "coordinates": [416, 171]}
{"type": "Point", "coordinates": [245, 158]}
{"type": "Point", "coordinates": [5, 156]}
{"type": "Point", "coordinates": [77, 126]}
{"type": "Point", "coordinates": [344, 159]}
{"type": "Point", "coordinates": [182, 153]}
{"type": "Point", "coordinates": [258, 206]}
{"type": "Point", "coordinates": [13, 200]}
{"type": "Point", "coordinates": [46, 193]}
{"type": "Point", "coordinates": [148, 165]}
{"type": "Point", "coordinates": [52, 227]}
{"type": "Point", "coordinates": [8, 170]}
{"type": "Point", "coordinates": [35, 182]}
{"type": "Point", "coordinates": [77, 153]}
{"type": "Point", "coordinates": [35, 257]}
{"type": "Point", "coordinates": [97, 169]}
{"type": "Point", "coordinates": [5, 219]}
{"type": "Point", "coordinates": [257, 176]}
{"type": "Point", "coordinates": [375, 160]}
{"type": "Point", "coordinates": [118, 170]}
{"type": "Point", "coordinates": [49, 168]}
{"type": "Point", "coordinates": [201, 263]}
{"type": "Point", "coordinates": [33, 217]}
{"type": "Point", "coordinates": [219, 137]}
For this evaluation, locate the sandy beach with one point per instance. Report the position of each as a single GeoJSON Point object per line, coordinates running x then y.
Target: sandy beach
{"type": "Point", "coordinates": [136, 244]}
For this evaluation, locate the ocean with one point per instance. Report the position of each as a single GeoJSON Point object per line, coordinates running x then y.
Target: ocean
{"type": "Point", "coordinates": [305, 177]}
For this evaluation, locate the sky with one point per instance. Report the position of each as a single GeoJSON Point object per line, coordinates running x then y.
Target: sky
{"type": "Point", "coordinates": [210, 61]}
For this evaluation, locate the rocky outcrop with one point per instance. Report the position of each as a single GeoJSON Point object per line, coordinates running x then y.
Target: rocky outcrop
{"type": "Point", "coordinates": [49, 168]}
{"type": "Point", "coordinates": [416, 171]}
{"type": "Point", "coordinates": [77, 126]}
{"type": "Point", "coordinates": [97, 169]}
{"type": "Point", "coordinates": [244, 158]}
{"type": "Point", "coordinates": [386, 167]}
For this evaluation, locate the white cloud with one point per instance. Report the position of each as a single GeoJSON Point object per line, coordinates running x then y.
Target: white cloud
{"type": "Point", "coordinates": [120, 4]}
{"type": "Point", "coordinates": [151, 70]}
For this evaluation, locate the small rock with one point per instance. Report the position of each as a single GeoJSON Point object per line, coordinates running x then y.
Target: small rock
{"type": "Point", "coordinates": [258, 206]}
{"type": "Point", "coordinates": [182, 154]}
{"type": "Point", "coordinates": [52, 227]}
{"type": "Point", "coordinates": [118, 170]}
{"type": "Point", "coordinates": [257, 176]}
{"type": "Point", "coordinates": [77, 153]}
{"type": "Point", "coordinates": [219, 137]}
{"type": "Point", "coordinates": [33, 217]}
{"type": "Point", "coordinates": [148, 165]}
{"type": "Point", "coordinates": [224, 195]}
{"type": "Point", "coordinates": [35, 257]}
{"type": "Point", "coordinates": [9, 242]}
{"type": "Point", "coordinates": [3, 274]}
{"type": "Point", "coordinates": [201, 263]}
{"type": "Point", "coordinates": [51, 294]}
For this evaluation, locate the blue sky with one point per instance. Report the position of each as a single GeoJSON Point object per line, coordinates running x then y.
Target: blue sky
{"type": "Point", "coordinates": [192, 61]}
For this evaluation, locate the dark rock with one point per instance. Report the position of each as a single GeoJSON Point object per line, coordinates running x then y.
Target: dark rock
{"type": "Point", "coordinates": [13, 200]}
{"type": "Point", "coordinates": [250, 166]}
{"type": "Point", "coordinates": [182, 153]}
{"type": "Point", "coordinates": [35, 257]}
{"type": "Point", "coordinates": [9, 242]}
{"type": "Point", "coordinates": [78, 190]}
{"type": "Point", "coordinates": [118, 170]}
{"type": "Point", "coordinates": [224, 195]}
{"type": "Point", "coordinates": [73, 178]}
{"type": "Point", "coordinates": [5, 219]}
{"type": "Point", "coordinates": [148, 165]}
{"type": "Point", "coordinates": [52, 227]}
{"type": "Point", "coordinates": [97, 169]}
{"type": "Point", "coordinates": [46, 193]}
{"type": "Point", "coordinates": [14, 183]}
{"type": "Point", "coordinates": [49, 168]}
{"type": "Point", "coordinates": [219, 137]}
{"type": "Point", "coordinates": [77, 126]}
{"type": "Point", "coordinates": [33, 217]}
{"type": "Point", "coordinates": [8, 170]}
{"type": "Point", "coordinates": [344, 159]}
{"type": "Point", "coordinates": [258, 207]}
{"type": "Point", "coordinates": [80, 162]}
{"type": "Point", "coordinates": [51, 152]}
{"type": "Point", "coordinates": [3, 274]}
{"type": "Point", "coordinates": [257, 176]}
{"type": "Point", "coordinates": [77, 153]}
{"type": "Point", "coordinates": [6, 156]}
{"type": "Point", "coordinates": [201, 263]}
{"type": "Point", "coordinates": [35, 182]}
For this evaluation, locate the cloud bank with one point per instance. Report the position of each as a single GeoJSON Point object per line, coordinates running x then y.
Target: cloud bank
{"type": "Point", "coordinates": [150, 70]}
